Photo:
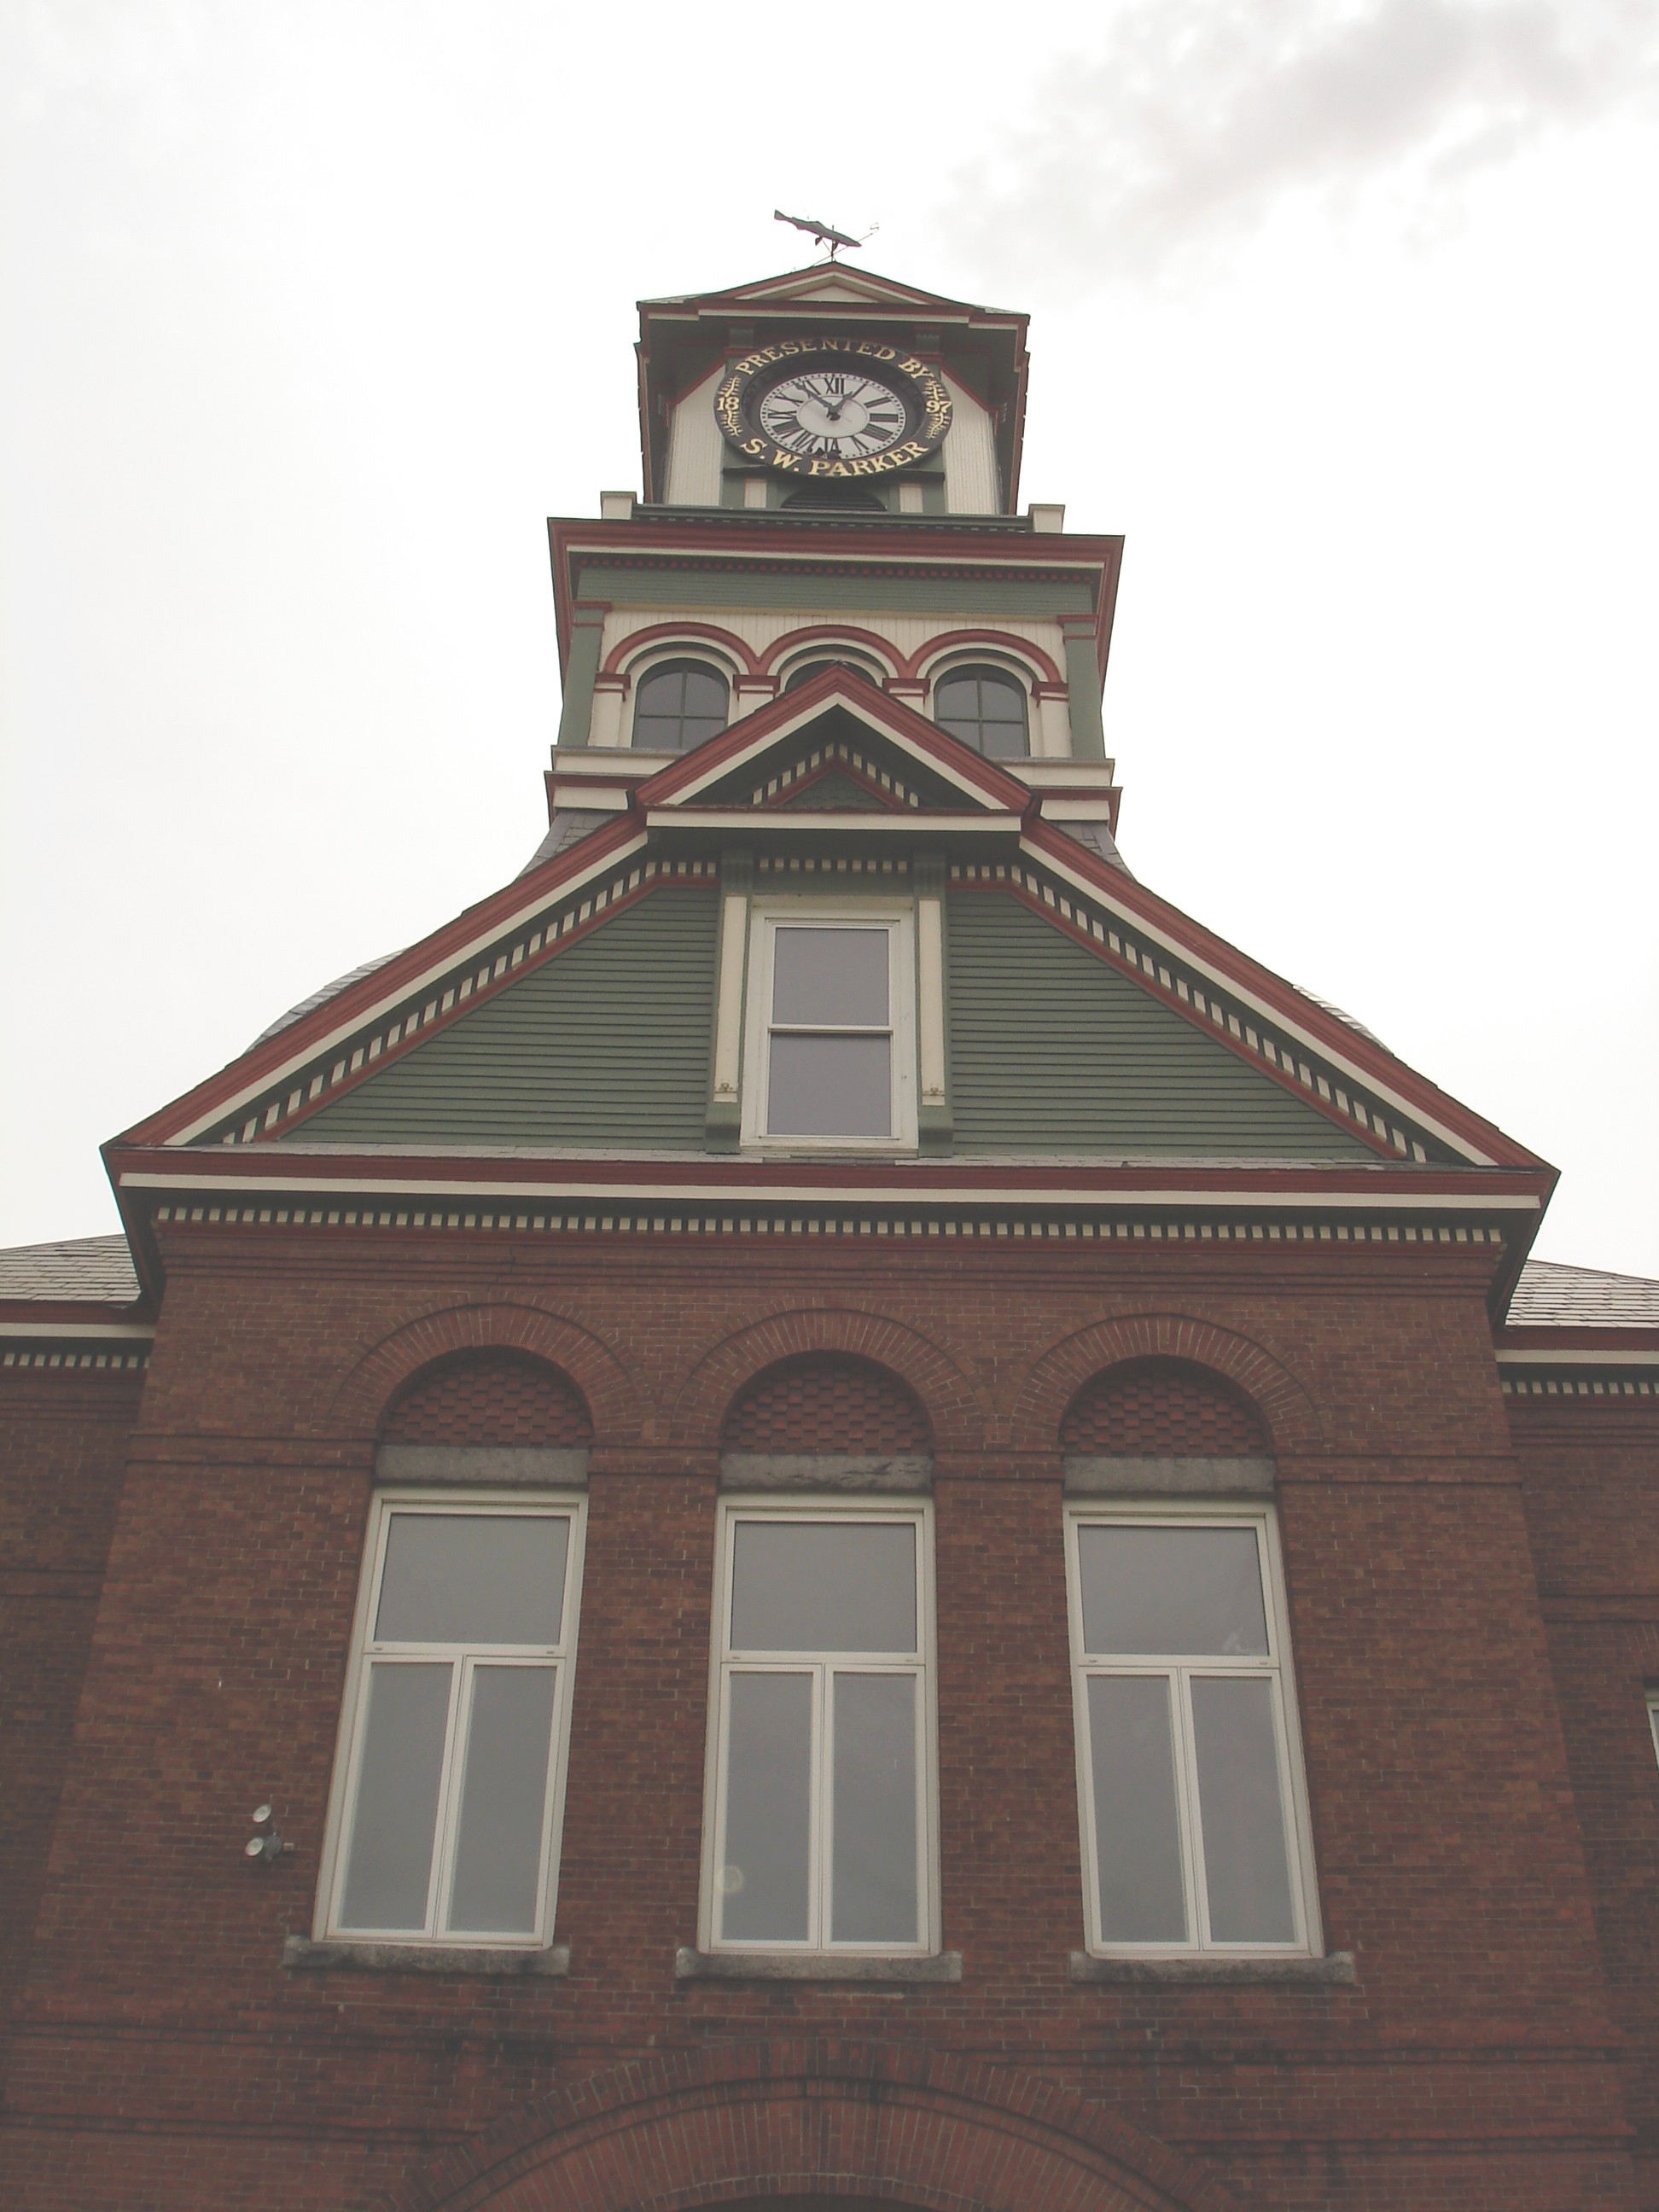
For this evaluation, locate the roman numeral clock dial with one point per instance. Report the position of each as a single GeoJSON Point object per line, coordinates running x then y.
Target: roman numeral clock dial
{"type": "Point", "coordinates": [823, 411]}
{"type": "Point", "coordinates": [833, 407]}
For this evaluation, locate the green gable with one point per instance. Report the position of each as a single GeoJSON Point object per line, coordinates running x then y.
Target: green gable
{"type": "Point", "coordinates": [606, 1044]}
{"type": "Point", "coordinates": [836, 794]}
{"type": "Point", "coordinates": [1053, 1049]}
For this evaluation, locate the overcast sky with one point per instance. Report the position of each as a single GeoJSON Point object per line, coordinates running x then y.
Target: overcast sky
{"type": "Point", "coordinates": [1343, 311]}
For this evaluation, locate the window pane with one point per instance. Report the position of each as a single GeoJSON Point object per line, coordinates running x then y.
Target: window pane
{"type": "Point", "coordinates": [831, 978]}
{"type": "Point", "coordinates": [498, 1855]}
{"type": "Point", "coordinates": [705, 695]}
{"type": "Point", "coordinates": [390, 1869]}
{"type": "Point", "coordinates": [957, 696]}
{"type": "Point", "coordinates": [831, 1086]}
{"type": "Point", "coordinates": [823, 1586]}
{"type": "Point", "coordinates": [1246, 1863]}
{"type": "Point", "coordinates": [1167, 1591]}
{"type": "Point", "coordinates": [768, 1791]}
{"type": "Point", "coordinates": [660, 693]}
{"type": "Point", "coordinates": [873, 1888]}
{"type": "Point", "coordinates": [473, 1578]}
{"type": "Point", "coordinates": [657, 734]}
{"type": "Point", "coordinates": [1137, 1827]}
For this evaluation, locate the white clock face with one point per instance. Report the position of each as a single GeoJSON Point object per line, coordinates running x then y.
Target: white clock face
{"type": "Point", "coordinates": [835, 413]}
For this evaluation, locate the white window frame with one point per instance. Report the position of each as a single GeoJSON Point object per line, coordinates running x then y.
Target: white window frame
{"type": "Point", "coordinates": [724, 1663]}
{"type": "Point", "coordinates": [1275, 1667]}
{"type": "Point", "coordinates": [1653, 1720]}
{"type": "Point", "coordinates": [767, 917]}
{"type": "Point", "coordinates": [552, 1504]}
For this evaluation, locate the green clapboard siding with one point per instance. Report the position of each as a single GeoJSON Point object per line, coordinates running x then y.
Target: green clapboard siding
{"type": "Point", "coordinates": [969, 597]}
{"type": "Point", "coordinates": [605, 1043]}
{"type": "Point", "coordinates": [1051, 1048]}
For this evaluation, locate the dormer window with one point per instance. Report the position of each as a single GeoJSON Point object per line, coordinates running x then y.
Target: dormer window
{"type": "Point", "coordinates": [677, 704]}
{"type": "Point", "coordinates": [831, 1042]}
{"type": "Point", "coordinates": [986, 708]}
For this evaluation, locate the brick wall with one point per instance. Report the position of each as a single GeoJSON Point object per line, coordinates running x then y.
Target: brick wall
{"type": "Point", "coordinates": [161, 2060]}
{"type": "Point", "coordinates": [1591, 1474]}
{"type": "Point", "coordinates": [63, 1443]}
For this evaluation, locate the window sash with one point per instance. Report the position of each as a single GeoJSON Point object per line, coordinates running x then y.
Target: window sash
{"type": "Point", "coordinates": [464, 1661]}
{"type": "Point", "coordinates": [899, 1029]}
{"type": "Point", "coordinates": [1180, 1672]}
{"type": "Point", "coordinates": [823, 1671]}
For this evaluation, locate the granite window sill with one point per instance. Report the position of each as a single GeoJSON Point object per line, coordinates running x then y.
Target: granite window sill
{"type": "Point", "coordinates": [1335, 1971]}
{"type": "Point", "coordinates": [301, 1954]}
{"type": "Point", "coordinates": [897, 1971]}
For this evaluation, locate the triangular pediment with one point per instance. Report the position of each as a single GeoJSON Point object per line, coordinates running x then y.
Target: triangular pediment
{"type": "Point", "coordinates": [837, 723]}
{"type": "Point", "coordinates": [838, 283]}
{"type": "Point", "coordinates": [572, 1009]}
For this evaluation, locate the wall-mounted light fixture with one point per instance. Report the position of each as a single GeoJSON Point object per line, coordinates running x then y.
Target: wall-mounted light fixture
{"type": "Point", "coordinates": [269, 1846]}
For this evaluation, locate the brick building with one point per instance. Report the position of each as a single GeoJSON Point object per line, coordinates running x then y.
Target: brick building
{"type": "Point", "coordinates": [823, 1507]}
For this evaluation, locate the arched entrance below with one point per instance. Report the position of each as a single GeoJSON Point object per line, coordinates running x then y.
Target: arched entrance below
{"type": "Point", "coordinates": [786, 2126]}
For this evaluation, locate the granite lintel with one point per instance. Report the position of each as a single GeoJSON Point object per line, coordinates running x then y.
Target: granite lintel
{"type": "Point", "coordinates": [1103, 1474]}
{"type": "Point", "coordinates": [531, 1467]}
{"type": "Point", "coordinates": [866, 1471]}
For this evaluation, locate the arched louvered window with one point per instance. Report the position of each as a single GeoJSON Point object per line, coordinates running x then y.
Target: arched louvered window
{"type": "Point", "coordinates": [986, 708]}
{"type": "Point", "coordinates": [677, 704]}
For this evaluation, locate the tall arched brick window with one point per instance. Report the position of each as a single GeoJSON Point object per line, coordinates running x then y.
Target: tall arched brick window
{"type": "Point", "coordinates": [444, 1827]}
{"type": "Point", "coordinates": [1193, 1808]}
{"type": "Point", "coordinates": [821, 1809]}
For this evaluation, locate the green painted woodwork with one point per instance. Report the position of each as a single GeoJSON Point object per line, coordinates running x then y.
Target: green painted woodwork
{"type": "Point", "coordinates": [838, 794]}
{"type": "Point", "coordinates": [1053, 1049]}
{"type": "Point", "coordinates": [582, 667]}
{"type": "Point", "coordinates": [608, 1042]}
{"type": "Point", "coordinates": [1083, 689]}
{"type": "Point", "coordinates": [684, 588]}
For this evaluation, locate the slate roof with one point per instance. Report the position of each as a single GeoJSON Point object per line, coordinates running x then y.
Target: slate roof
{"type": "Point", "coordinates": [1551, 1295]}
{"type": "Point", "coordinates": [96, 1269]}
{"type": "Point", "coordinates": [321, 997]}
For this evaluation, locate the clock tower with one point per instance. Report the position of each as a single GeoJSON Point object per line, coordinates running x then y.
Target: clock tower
{"type": "Point", "coordinates": [830, 463]}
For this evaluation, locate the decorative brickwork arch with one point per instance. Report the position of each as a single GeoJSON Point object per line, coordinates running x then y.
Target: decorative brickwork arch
{"type": "Point", "coordinates": [496, 1397]}
{"type": "Point", "coordinates": [825, 1401]}
{"type": "Point", "coordinates": [951, 1408]}
{"type": "Point", "coordinates": [1149, 1408]}
{"type": "Point", "coordinates": [746, 2123]}
{"type": "Point", "coordinates": [1285, 1408]}
{"type": "Point", "coordinates": [614, 1397]}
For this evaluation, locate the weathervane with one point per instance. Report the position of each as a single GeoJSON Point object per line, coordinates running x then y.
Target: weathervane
{"type": "Point", "coordinates": [834, 240]}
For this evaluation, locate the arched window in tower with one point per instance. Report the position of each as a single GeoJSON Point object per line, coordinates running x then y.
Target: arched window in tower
{"type": "Point", "coordinates": [986, 708]}
{"type": "Point", "coordinates": [678, 704]}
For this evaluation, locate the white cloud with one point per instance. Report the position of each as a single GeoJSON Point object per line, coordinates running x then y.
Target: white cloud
{"type": "Point", "coordinates": [1189, 126]}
